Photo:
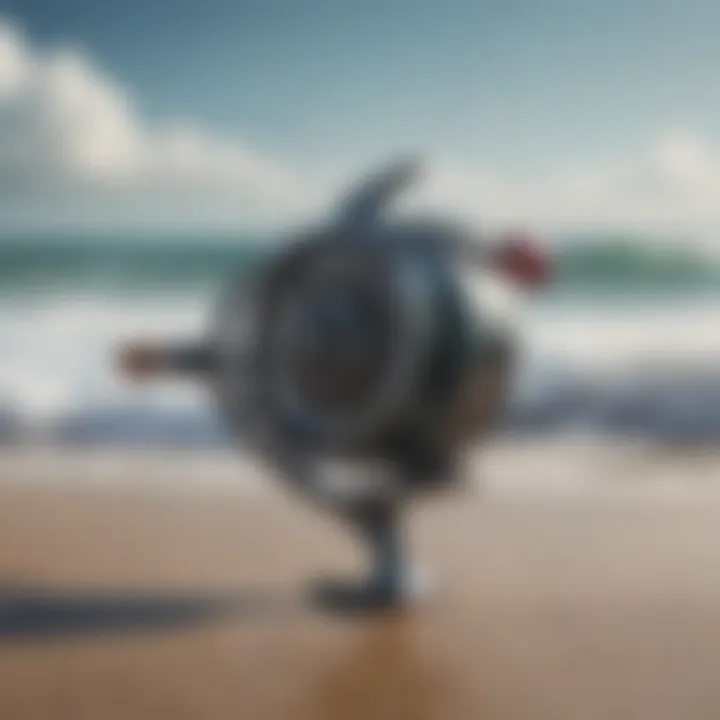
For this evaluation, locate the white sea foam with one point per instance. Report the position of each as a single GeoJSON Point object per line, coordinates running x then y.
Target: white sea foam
{"type": "Point", "coordinates": [56, 363]}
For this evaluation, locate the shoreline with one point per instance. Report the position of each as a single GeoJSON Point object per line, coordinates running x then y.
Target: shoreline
{"type": "Point", "coordinates": [506, 468]}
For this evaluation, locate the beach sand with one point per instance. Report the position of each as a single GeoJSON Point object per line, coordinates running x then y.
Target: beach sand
{"type": "Point", "coordinates": [151, 601]}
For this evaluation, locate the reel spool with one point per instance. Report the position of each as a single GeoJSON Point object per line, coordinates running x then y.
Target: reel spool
{"type": "Point", "coordinates": [329, 341]}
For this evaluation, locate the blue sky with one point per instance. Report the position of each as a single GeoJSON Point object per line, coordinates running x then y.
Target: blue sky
{"type": "Point", "coordinates": [517, 93]}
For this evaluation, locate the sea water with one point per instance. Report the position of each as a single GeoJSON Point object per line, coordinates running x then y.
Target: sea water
{"type": "Point", "coordinates": [624, 341]}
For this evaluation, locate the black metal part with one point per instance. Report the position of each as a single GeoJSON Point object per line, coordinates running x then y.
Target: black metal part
{"type": "Point", "coordinates": [360, 340]}
{"type": "Point", "coordinates": [386, 585]}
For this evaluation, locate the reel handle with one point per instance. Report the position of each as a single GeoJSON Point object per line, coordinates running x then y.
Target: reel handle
{"type": "Point", "coordinates": [143, 360]}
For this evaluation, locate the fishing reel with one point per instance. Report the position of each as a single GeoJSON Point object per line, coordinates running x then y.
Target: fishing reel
{"type": "Point", "coordinates": [371, 340]}
{"type": "Point", "coordinates": [373, 344]}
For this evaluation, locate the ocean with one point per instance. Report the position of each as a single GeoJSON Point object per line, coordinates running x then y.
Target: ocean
{"type": "Point", "coordinates": [623, 342]}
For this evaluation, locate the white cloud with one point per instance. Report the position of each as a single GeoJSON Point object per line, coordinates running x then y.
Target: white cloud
{"type": "Point", "coordinates": [73, 145]}
{"type": "Point", "coordinates": [670, 186]}
{"type": "Point", "coordinates": [15, 64]}
{"type": "Point", "coordinates": [69, 131]}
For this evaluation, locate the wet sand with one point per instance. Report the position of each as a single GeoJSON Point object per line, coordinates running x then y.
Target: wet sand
{"type": "Point", "coordinates": [121, 603]}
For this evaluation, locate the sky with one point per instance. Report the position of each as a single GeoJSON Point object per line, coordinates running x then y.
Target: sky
{"type": "Point", "coordinates": [572, 115]}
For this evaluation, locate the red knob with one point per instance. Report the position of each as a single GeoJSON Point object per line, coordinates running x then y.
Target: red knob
{"type": "Point", "coordinates": [520, 256]}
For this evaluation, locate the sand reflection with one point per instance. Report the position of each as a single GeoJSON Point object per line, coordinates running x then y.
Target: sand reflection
{"type": "Point", "coordinates": [384, 672]}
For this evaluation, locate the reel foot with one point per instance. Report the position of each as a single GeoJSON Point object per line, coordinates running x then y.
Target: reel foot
{"type": "Point", "coordinates": [399, 594]}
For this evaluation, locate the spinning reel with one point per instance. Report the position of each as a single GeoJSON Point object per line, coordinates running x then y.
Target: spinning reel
{"type": "Point", "coordinates": [361, 342]}
{"type": "Point", "coordinates": [373, 343]}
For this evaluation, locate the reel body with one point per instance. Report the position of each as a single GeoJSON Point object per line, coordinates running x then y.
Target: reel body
{"type": "Point", "coordinates": [369, 345]}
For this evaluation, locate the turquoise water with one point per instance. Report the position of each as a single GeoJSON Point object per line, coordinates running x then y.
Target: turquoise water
{"type": "Point", "coordinates": [595, 268]}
